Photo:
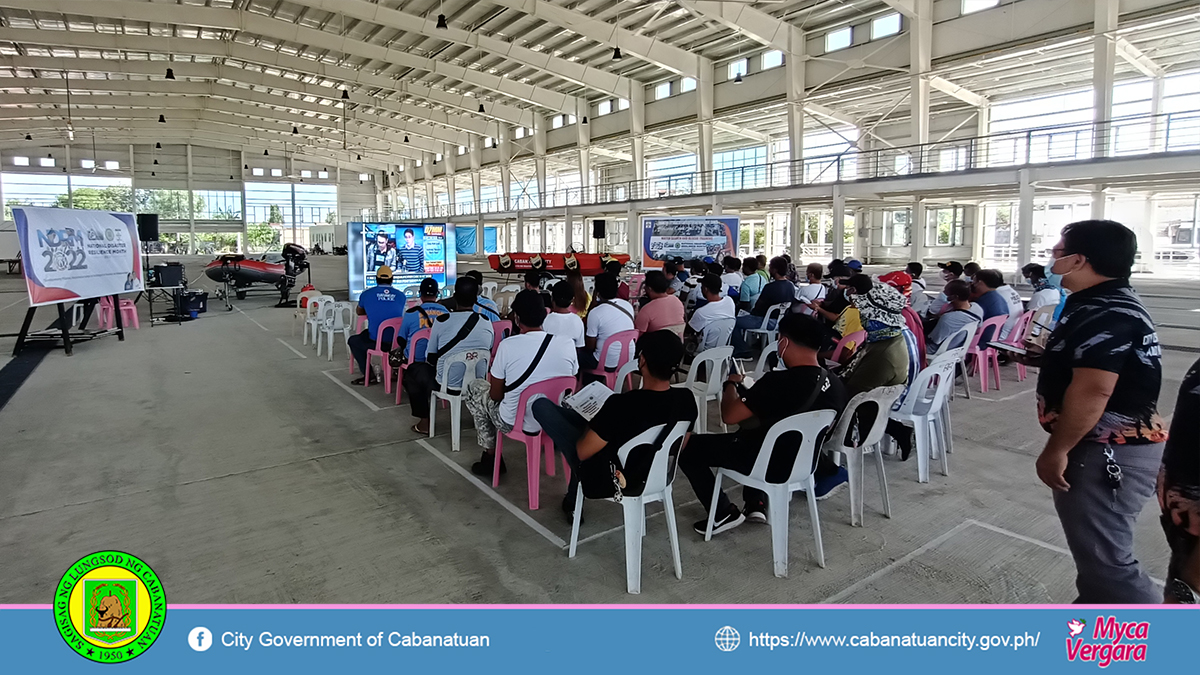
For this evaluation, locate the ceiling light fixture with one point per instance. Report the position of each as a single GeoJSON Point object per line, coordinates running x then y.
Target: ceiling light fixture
{"type": "Point", "coordinates": [162, 119]}
{"type": "Point", "coordinates": [266, 153]}
{"type": "Point", "coordinates": [360, 158]}
{"type": "Point", "coordinates": [245, 167]}
{"type": "Point", "coordinates": [158, 146]}
{"type": "Point", "coordinates": [28, 137]}
{"type": "Point", "coordinates": [153, 174]}
{"type": "Point", "coordinates": [345, 95]}
{"type": "Point", "coordinates": [441, 22]}
{"type": "Point", "coordinates": [156, 162]}
{"type": "Point", "coordinates": [616, 54]}
{"type": "Point", "coordinates": [737, 79]}
{"type": "Point", "coordinates": [585, 119]}
{"type": "Point", "coordinates": [295, 130]}
{"type": "Point", "coordinates": [481, 108]}
{"type": "Point", "coordinates": [170, 73]}
{"type": "Point", "coordinates": [406, 138]}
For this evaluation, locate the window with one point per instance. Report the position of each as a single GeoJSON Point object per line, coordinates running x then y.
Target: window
{"type": "Point", "coordinates": [838, 39]}
{"type": "Point", "coordinates": [364, 177]}
{"type": "Point", "coordinates": [571, 119]}
{"type": "Point", "coordinates": [277, 173]}
{"type": "Point", "coordinates": [46, 161]}
{"type": "Point", "coordinates": [520, 132]}
{"type": "Point", "coordinates": [112, 166]}
{"type": "Point", "coordinates": [888, 24]}
{"type": "Point", "coordinates": [895, 227]}
{"type": "Point", "coordinates": [556, 122]}
{"type": "Point", "coordinates": [462, 149]}
{"type": "Point", "coordinates": [662, 90]}
{"type": "Point", "coordinates": [324, 175]}
{"type": "Point", "coordinates": [488, 142]}
{"type": "Point", "coordinates": [622, 104]}
{"type": "Point", "coordinates": [738, 67]}
{"type": "Point", "coordinates": [772, 59]}
{"type": "Point", "coordinates": [305, 173]}
{"type": "Point", "coordinates": [687, 84]}
{"type": "Point", "coordinates": [971, 6]}
{"type": "Point", "coordinates": [437, 158]}
{"type": "Point", "coordinates": [944, 226]}
{"type": "Point", "coordinates": [604, 108]}
{"type": "Point", "coordinates": [418, 163]}
{"type": "Point", "coordinates": [20, 161]}
{"type": "Point", "coordinates": [257, 171]}
{"type": "Point", "coordinates": [88, 163]}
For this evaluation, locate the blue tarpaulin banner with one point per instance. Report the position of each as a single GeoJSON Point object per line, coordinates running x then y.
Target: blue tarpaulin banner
{"type": "Point", "coordinates": [466, 240]}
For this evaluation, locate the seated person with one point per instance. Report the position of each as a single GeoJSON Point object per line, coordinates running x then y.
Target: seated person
{"type": "Point", "coordinates": [583, 300]}
{"type": "Point", "coordinates": [664, 311]}
{"type": "Point", "coordinates": [762, 267]}
{"type": "Point", "coordinates": [671, 270]}
{"type": "Point", "coordinates": [609, 316]}
{"type": "Point", "coordinates": [691, 287]}
{"type": "Point", "coordinates": [970, 270]}
{"type": "Point", "coordinates": [422, 316]}
{"type": "Point", "coordinates": [1016, 306]}
{"type": "Point", "coordinates": [731, 277]}
{"type": "Point", "coordinates": [917, 300]}
{"type": "Point", "coordinates": [951, 271]}
{"type": "Point", "coordinates": [714, 310]}
{"type": "Point", "coordinates": [1044, 293]}
{"type": "Point", "coordinates": [521, 360]}
{"type": "Point", "coordinates": [960, 312]}
{"type": "Point", "coordinates": [591, 448]}
{"type": "Point", "coordinates": [615, 268]}
{"type": "Point", "coordinates": [848, 320]}
{"type": "Point", "coordinates": [452, 333]}
{"type": "Point", "coordinates": [882, 361]}
{"type": "Point", "coordinates": [811, 292]}
{"type": "Point", "coordinates": [983, 292]}
{"type": "Point", "coordinates": [803, 386]}
{"type": "Point", "coordinates": [780, 290]}
{"type": "Point", "coordinates": [485, 306]}
{"type": "Point", "coordinates": [379, 303]}
{"type": "Point", "coordinates": [561, 320]}
{"type": "Point", "coordinates": [533, 282]}
{"type": "Point", "coordinates": [752, 285]}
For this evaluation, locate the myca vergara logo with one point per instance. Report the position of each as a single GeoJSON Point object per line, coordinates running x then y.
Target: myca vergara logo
{"type": "Point", "coordinates": [1111, 641]}
{"type": "Point", "coordinates": [110, 607]}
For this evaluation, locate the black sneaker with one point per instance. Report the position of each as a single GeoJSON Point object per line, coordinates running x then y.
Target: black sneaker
{"type": "Point", "coordinates": [730, 521]}
{"type": "Point", "coordinates": [568, 508]}
{"type": "Point", "coordinates": [756, 512]}
{"type": "Point", "coordinates": [486, 464]}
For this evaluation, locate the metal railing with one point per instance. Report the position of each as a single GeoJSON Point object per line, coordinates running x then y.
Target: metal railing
{"type": "Point", "coordinates": [1124, 136]}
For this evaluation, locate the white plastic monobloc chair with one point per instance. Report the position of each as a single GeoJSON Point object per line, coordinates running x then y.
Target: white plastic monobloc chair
{"type": "Point", "coordinates": [658, 489]}
{"type": "Point", "coordinates": [715, 364]}
{"type": "Point", "coordinates": [628, 368]}
{"type": "Point", "coordinates": [488, 289]}
{"type": "Point", "coordinates": [717, 334]}
{"type": "Point", "coordinates": [312, 320]}
{"type": "Point", "coordinates": [774, 314]}
{"type": "Point", "coordinates": [878, 402]}
{"type": "Point", "coordinates": [921, 410]}
{"type": "Point", "coordinates": [469, 359]}
{"type": "Point", "coordinates": [340, 319]}
{"type": "Point", "coordinates": [764, 360]}
{"type": "Point", "coordinates": [812, 427]}
{"type": "Point", "coordinates": [300, 315]}
{"type": "Point", "coordinates": [962, 337]}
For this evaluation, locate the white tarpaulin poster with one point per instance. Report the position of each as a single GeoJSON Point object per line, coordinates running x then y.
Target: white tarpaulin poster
{"type": "Point", "coordinates": [72, 254]}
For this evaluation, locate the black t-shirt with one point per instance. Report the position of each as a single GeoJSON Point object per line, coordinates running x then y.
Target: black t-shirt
{"type": "Point", "coordinates": [623, 417]}
{"type": "Point", "coordinates": [774, 293]}
{"type": "Point", "coordinates": [780, 394]}
{"type": "Point", "coordinates": [1106, 327]}
{"type": "Point", "coordinates": [1179, 482]}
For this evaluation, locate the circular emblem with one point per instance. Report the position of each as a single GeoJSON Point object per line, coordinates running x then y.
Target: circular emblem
{"type": "Point", "coordinates": [109, 607]}
{"type": "Point", "coordinates": [108, 234]}
{"type": "Point", "coordinates": [727, 638]}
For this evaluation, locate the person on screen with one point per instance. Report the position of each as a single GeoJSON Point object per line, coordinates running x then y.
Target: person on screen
{"type": "Point", "coordinates": [379, 303]}
{"type": "Point", "coordinates": [380, 253]}
{"type": "Point", "coordinates": [412, 257]}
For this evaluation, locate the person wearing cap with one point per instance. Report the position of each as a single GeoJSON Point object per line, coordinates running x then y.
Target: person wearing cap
{"type": "Point", "coordinates": [914, 332]}
{"type": "Point", "coordinates": [422, 316]}
{"type": "Point", "coordinates": [1044, 292]}
{"type": "Point", "coordinates": [855, 266]}
{"type": "Point", "coordinates": [884, 360]}
{"type": "Point", "coordinates": [917, 299]}
{"type": "Point", "coordinates": [951, 271]}
{"type": "Point", "coordinates": [691, 288]}
{"type": "Point", "coordinates": [379, 303]}
{"type": "Point", "coordinates": [848, 320]}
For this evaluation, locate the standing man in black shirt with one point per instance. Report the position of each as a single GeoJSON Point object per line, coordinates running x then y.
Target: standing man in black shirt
{"type": "Point", "coordinates": [803, 387]}
{"type": "Point", "coordinates": [1097, 396]}
{"type": "Point", "coordinates": [1179, 493]}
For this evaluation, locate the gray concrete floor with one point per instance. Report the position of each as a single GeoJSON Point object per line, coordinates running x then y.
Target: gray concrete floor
{"type": "Point", "coordinates": [233, 460]}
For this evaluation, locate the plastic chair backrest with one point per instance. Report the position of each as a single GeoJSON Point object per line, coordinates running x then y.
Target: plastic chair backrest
{"type": "Point", "coordinates": [1020, 329]}
{"type": "Point", "coordinates": [316, 304]}
{"type": "Point", "coordinates": [662, 469]}
{"type": "Point", "coordinates": [930, 389]}
{"type": "Point", "coordinates": [500, 330]}
{"type": "Point", "coordinates": [968, 332]}
{"type": "Point", "coordinates": [715, 362]}
{"type": "Point", "coordinates": [884, 398]}
{"type": "Point", "coordinates": [488, 289]}
{"type": "Point", "coordinates": [326, 311]}
{"type": "Point", "coordinates": [503, 299]}
{"type": "Point", "coordinates": [624, 372]}
{"type": "Point", "coordinates": [554, 389]}
{"type": "Point", "coordinates": [303, 298]}
{"type": "Point", "coordinates": [419, 336]}
{"type": "Point", "coordinates": [513, 288]}
{"type": "Point", "coordinates": [996, 323]}
{"type": "Point", "coordinates": [718, 333]}
{"type": "Point", "coordinates": [764, 358]}
{"type": "Point", "coordinates": [856, 338]}
{"type": "Point", "coordinates": [469, 358]}
{"type": "Point", "coordinates": [774, 312]}
{"type": "Point", "coordinates": [394, 324]}
{"type": "Point", "coordinates": [624, 337]}
{"type": "Point", "coordinates": [106, 302]}
{"type": "Point", "coordinates": [412, 292]}
{"type": "Point", "coordinates": [343, 316]}
{"type": "Point", "coordinates": [811, 425]}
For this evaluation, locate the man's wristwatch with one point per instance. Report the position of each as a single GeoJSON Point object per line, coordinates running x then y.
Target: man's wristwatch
{"type": "Point", "coordinates": [1182, 593]}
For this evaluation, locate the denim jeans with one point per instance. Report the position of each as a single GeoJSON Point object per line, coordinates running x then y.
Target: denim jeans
{"type": "Point", "coordinates": [565, 428]}
{"type": "Point", "coordinates": [741, 348]}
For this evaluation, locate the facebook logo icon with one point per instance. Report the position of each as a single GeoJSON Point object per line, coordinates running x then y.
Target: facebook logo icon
{"type": "Point", "coordinates": [200, 639]}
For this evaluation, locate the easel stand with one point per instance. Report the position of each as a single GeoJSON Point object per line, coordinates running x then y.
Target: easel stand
{"type": "Point", "coordinates": [64, 332]}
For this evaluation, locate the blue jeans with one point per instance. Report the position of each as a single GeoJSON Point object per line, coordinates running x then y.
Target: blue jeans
{"type": "Point", "coordinates": [565, 428]}
{"type": "Point", "coordinates": [741, 349]}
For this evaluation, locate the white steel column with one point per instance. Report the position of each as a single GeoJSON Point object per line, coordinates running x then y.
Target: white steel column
{"type": "Point", "coordinates": [520, 232]}
{"type": "Point", "coordinates": [704, 119]}
{"type": "Point", "coordinates": [242, 186]}
{"type": "Point", "coordinates": [542, 245]}
{"type": "Point", "coordinates": [794, 64]}
{"type": "Point", "coordinates": [1104, 59]}
{"type": "Point", "coordinates": [450, 157]}
{"type": "Point", "coordinates": [633, 227]}
{"type": "Point", "coordinates": [133, 187]}
{"type": "Point", "coordinates": [475, 153]}
{"type": "Point", "coordinates": [1157, 123]}
{"type": "Point", "coordinates": [920, 63]}
{"type": "Point", "coordinates": [637, 137]}
{"type": "Point", "coordinates": [1024, 218]}
{"type": "Point", "coordinates": [1147, 227]}
{"type": "Point", "coordinates": [839, 222]}
{"type": "Point", "coordinates": [480, 248]}
{"type": "Point", "coordinates": [916, 231]}
{"type": "Point", "coordinates": [539, 158]}
{"type": "Point", "coordinates": [192, 205]}
{"type": "Point", "coordinates": [584, 145]}
{"type": "Point", "coordinates": [1099, 203]}
{"type": "Point", "coordinates": [68, 167]}
{"type": "Point", "coordinates": [504, 140]}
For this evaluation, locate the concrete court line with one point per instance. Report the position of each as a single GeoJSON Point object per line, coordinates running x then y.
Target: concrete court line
{"type": "Point", "coordinates": [13, 304]}
{"type": "Point", "coordinates": [239, 309]}
{"type": "Point", "coordinates": [621, 527]}
{"type": "Point", "coordinates": [294, 350]}
{"type": "Point", "coordinates": [932, 543]}
{"type": "Point", "coordinates": [487, 490]}
{"type": "Point", "coordinates": [350, 390]}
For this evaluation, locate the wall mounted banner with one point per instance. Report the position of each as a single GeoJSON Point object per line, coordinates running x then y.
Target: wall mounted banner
{"type": "Point", "coordinates": [687, 237]}
{"type": "Point", "coordinates": [72, 254]}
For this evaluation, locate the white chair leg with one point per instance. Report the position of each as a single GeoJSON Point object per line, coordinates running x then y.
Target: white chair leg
{"type": "Point", "coordinates": [575, 521]}
{"type": "Point", "coordinates": [304, 335]}
{"type": "Point", "coordinates": [816, 522]}
{"type": "Point", "coordinates": [921, 431]}
{"type": "Point", "coordinates": [777, 504]}
{"type": "Point", "coordinates": [672, 530]}
{"type": "Point", "coordinates": [433, 406]}
{"type": "Point", "coordinates": [702, 415]}
{"type": "Point", "coordinates": [940, 434]}
{"type": "Point", "coordinates": [883, 488]}
{"type": "Point", "coordinates": [456, 424]}
{"type": "Point", "coordinates": [853, 468]}
{"type": "Point", "coordinates": [634, 524]}
{"type": "Point", "coordinates": [945, 420]}
{"type": "Point", "coordinates": [712, 509]}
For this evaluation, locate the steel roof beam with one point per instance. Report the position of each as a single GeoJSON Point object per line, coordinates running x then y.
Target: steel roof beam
{"type": "Point", "coordinates": [750, 22]}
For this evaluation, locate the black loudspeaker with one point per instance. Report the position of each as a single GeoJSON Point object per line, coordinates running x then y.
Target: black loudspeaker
{"type": "Point", "coordinates": [147, 224]}
{"type": "Point", "coordinates": [598, 229]}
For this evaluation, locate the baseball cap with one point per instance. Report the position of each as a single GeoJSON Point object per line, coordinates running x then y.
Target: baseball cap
{"type": "Point", "coordinates": [429, 286]}
{"type": "Point", "coordinates": [384, 272]}
{"type": "Point", "coordinates": [953, 267]}
{"type": "Point", "coordinates": [901, 281]}
{"type": "Point", "coordinates": [837, 268]}
{"type": "Point", "coordinates": [854, 264]}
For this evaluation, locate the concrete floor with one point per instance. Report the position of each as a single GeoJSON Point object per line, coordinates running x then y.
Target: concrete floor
{"type": "Point", "coordinates": [241, 466]}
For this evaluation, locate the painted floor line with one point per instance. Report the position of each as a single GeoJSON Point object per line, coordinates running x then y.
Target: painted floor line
{"type": "Point", "coordinates": [294, 350]}
{"type": "Point", "coordinates": [487, 490]}
{"type": "Point", "coordinates": [618, 528]}
{"type": "Point", "coordinates": [13, 304]}
{"type": "Point", "coordinates": [350, 390]}
{"type": "Point", "coordinates": [239, 309]}
{"type": "Point", "coordinates": [931, 544]}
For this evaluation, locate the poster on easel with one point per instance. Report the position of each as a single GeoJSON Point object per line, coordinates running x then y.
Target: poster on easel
{"type": "Point", "coordinates": [73, 254]}
{"type": "Point", "coordinates": [687, 237]}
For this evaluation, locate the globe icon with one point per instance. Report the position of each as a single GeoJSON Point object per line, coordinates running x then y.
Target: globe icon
{"type": "Point", "coordinates": [728, 639]}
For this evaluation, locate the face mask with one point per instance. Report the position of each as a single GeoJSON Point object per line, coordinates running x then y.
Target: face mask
{"type": "Point", "coordinates": [969, 279]}
{"type": "Point", "coordinates": [1053, 278]}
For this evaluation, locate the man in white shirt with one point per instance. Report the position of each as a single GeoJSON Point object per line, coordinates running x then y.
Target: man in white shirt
{"type": "Point", "coordinates": [917, 299]}
{"type": "Point", "coordinates": [1016, 306]}
{"type": "Point", "coordinates": [732, 277]}
{"type": "Point", "coordinates": [717, 309]}
{"type": "Point", "coordinates": [609, 316]}
{"type": "Point", "coordinates": [522, 360]}
{"type": "Point", "coordinates": [561, 320]}
{"type": "Point", "coordinates": [451, 334]}
{"type": "Point", "coordinates": [950, 272]}
{"type": "Point", "coordinates": [1043, 293]}
{"type": "Point", "coordinates": [813, 291]}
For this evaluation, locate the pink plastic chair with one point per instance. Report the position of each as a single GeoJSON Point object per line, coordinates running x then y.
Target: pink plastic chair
{"type": "Point", "coordinates": [627, 339]}
{"type": "Point", "coordinates": [553, 389]}
{"type": "Point", "coordinates": [1016, 337]}
{"type": "Point", "coordinates": [502, 329]}
{"type": "Point", "coordinates": [984, 356]}
{"type": "Point", "coordinates": [856, 338]}
{"type": "Point", "coordinates": [129, 315]}
{"type": "Point", "coordinates": [421, 335]}
{"type": "Point", "coordinates": [379, 351]}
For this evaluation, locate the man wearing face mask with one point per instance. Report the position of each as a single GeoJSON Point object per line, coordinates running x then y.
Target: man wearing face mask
{"type": "Point", "coordinates": [1097, 396]}
{"type": "Point", "coordinates": [951, 271]}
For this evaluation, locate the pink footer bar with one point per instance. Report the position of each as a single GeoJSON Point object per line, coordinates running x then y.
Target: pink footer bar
{"type": "Point", "coordinates": [628, 607]}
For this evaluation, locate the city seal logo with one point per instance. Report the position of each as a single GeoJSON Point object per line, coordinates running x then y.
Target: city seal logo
{"type": "Point", "coordinates": [109, 607]}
